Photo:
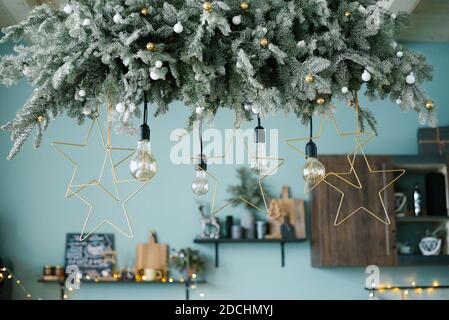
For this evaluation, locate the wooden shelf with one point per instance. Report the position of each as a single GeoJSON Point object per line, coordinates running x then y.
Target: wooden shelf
{"type": "Point", "coordinates": [405, 260]}
{"type": "Point", "coordinates": [422, 219]}
{"type": "Point", "coordinates": [122, 281]}
{"type": "Point", "coordinates": [216, 242]}
{"type": "Point", "coordinates": [248, 240]}
{"type": "Point", "coordinates": [186, 284]}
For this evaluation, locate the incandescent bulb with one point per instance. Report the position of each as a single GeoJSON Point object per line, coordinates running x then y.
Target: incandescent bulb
{"type": "Point", "coordinates": [143, 165]}
{"type": "Point", "coordinates": [200, 185]}
{"type": "Point", "coordinates": [313, 171]}
{"type": "Point", "coordinates": [260, 163]}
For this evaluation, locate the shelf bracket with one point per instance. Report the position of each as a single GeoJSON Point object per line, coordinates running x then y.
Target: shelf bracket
{"type": "Point", "coordinates": [282, 254]}
{"type": "Point", "coordinates": [216, 255]}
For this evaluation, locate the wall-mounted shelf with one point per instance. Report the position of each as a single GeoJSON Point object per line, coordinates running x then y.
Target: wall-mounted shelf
{"type": "Point", "coordinates": [217, 242]}
{"type": "Point", "coordinates": [423, 219]}
{"type": "Point", "coordinates": [186, 284]}
{"type": "Point", "coordinates": [404, 260]}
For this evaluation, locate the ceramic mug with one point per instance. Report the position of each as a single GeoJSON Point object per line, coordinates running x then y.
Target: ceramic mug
{"type": "Point", "coordinates": [152, 275]}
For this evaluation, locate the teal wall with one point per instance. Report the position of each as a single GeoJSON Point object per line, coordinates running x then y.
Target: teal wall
{"type": "Point", "coordinates": [35, 216]}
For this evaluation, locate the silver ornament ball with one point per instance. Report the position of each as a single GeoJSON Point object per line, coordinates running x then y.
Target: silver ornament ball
{"type": "Point", "coordinates": [154, 75]}
{"type": "Point", "coordinates": [410, 79]}
{"type": "Point", "coordinates": [178, 28]}
{"type": "Point", "coordinates": [236, 20]}
{"type": "Point", "coordinates": [120, 107]}
{"type": "Point", "coordinates": [158, 64]}
{"type": "Point", "coordinates": [366, 76]}
{"type": "Point", "coordinates": [344, 90]}
{"type": "Point", "coordinates": [68, 9]}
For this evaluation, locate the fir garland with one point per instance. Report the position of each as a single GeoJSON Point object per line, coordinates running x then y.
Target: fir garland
{"type": "Point", "coordinates": [297, 55]}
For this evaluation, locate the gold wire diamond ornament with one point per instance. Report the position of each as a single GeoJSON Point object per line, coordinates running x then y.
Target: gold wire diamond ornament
{"type": "Point", "coordinates": [76, 190]}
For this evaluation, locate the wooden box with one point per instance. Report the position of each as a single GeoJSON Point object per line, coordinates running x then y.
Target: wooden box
{"type": "Point", "coordinates": [433, 141]}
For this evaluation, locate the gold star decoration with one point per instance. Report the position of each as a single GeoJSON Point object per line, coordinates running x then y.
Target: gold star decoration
{"type": "Point", "coordinates": [326, 117]}
{"type": "Point", "coordinates": [262, 177]}
{"type": "Point", "coordinates": [76, 189]}
{"type": "Point", "coordinates": [380, 217]}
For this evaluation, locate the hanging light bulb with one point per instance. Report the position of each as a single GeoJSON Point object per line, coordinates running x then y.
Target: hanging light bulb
{"type": "Point", "coordinates": [200, 185]}
{"type": "Point", "coordinates": [143, 165]}
{"type": "Point", "coordinates": [313, 171]}
{"type": "Point", "coordinates": [259, 164]}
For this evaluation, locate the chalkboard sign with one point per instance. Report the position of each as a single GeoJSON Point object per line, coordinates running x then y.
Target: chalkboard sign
{"type": "Point", "coordinates": [92, 255]}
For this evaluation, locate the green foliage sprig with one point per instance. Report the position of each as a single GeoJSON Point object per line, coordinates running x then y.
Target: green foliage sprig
{"type": "Point", "coordinates": [248, 189]}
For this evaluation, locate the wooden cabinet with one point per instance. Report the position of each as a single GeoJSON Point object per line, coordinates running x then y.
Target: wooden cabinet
{"type": "Point", "coordinates": [362, 239]}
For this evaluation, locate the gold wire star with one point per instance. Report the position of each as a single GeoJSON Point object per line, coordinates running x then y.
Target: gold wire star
{"type": "Point", "coordinates": [338, 221]}
{"type": "Point", "coordinates": [330, 116]}
{"type": "Point", "coordinates": [262, 177]}
{"type": "Point", "coordinates": [76, 189]}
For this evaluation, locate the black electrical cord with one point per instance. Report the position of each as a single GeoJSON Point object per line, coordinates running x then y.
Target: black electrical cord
{"type": "Point", "coordinates": [144, 128]}
{"type": "Point", "coordinates": [311, 127]}
{"type": "Point", "coordinates": [145, 108]}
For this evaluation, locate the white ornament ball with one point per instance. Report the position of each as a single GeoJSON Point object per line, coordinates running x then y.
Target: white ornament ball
{"type": "Point", "coordinates": [117, 18]}
{"type": "Point", "coordinates": [126, 62]}
{"type": "Point", "coordinates": [86, 22]}
{"type": "Point", "coordinates": [87, 111]}
{"type": "Point", "coordinates": [199, 110]}
{"type": "Point", "coordinates": [68, 9]}
{"type": "Point", "coordinates": [158, 64]}
{"type": "Point", "coordinates": [362, 9]}
{"type": "Point", "coordinates": [399, 54]}
{"type": "Point", "coordinates": [154, 75]}
{"type": "Point", "coordinates": [255, 109]}
{"type": "Point", "coordinates": [398, 101]}
{"type": "Point", "coordinates": [344, 90]}
{"type": "Point", "coordinates": [301, 44]}
{"type": "Point", "coordinates": [366, 76]}
{"type": "Point", "coordinates": [120, 107]}
{"type": "Point", "coordinates": [82, 93]}
{"type": "Point", "coordinates": [393, 15]}
{"type": "Point", "coordinates": [247, 107]}
{"type": "Point", "coordinates": [236, 20]}
{"type": "Point", "coordinates": [178, 28]}
{"type": "Point", "coordinates": [410, 79]}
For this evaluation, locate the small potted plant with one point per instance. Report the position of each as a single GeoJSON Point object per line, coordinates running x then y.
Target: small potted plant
{"type": "Point", "coordinates": [188, 262]}
{"type": "Point", "coordinates": [430, 244]}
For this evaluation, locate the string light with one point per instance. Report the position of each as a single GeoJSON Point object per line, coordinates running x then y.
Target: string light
{"type": "Point", "coordinates": [435, 283]}
{"type": "Point", "coordinates": [413, 283]}
{"type": "Point", "coordinates": [10, 276]}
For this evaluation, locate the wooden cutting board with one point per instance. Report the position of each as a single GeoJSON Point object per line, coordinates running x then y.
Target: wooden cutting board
{"type": "Point", "coordinates": [287, 207]}
{"type": "Point", "coordinates": [152, 255]}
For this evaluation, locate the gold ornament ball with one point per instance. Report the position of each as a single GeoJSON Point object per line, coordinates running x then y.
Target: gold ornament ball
{"type": "Point", "coordinates": [207, 6]}
{"type": "Point", "coordinates": [264, 42]}
{"type": "Point", "coordinates": [40, 118]}
{"type": "Point", "coordinates": [151, 46]}
{"type": "Point", "coordinates": [145, 11]}
{"type": "Point", "coordinates": [429, 105]}
{"type": "Point", "coordinates": [244, 5]}
{"type": "Point", "coordinates": [348, 13]}
{"type": "Point", "coordinates": [320, 101]}
{"type": "Point", "coordinates": [309, 78]}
